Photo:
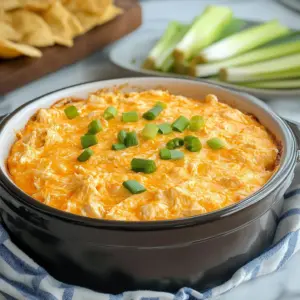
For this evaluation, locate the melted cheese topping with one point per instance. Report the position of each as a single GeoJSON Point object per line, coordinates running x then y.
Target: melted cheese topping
{"type": "Point", "coordinates": [43, 160]}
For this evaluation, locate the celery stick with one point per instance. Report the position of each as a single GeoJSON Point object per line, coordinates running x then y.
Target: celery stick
{"type": "Point", "coordinates": [274, 68]}
{"type": "Point", "coordinates": [261, 54]}
{"type": "Point", "coordinates": [205, 30]}
{"type": "Point", "coordinates": [234, 26]}
{"type": "Point", "coordinates": [162, 45]}
{"type": "Point", "coordinates": [273, 84]}
{"type": "Point", "coordinates": [165, 61]}
{"type": "Point", "coordinates": [243, 41]}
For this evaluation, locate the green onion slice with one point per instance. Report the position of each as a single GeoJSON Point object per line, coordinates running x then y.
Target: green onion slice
{"type": "Point", "coordinates": [131, 139]}
{"type": "Point", "coordinates": [175, 143]}
{"type": "Point", "coordinates": [196, 123]}
{"type": "Point", "coordinates": [71, 112]}
{"type": "Point", "coordinates": [134, 186]}
{"type": "Point", "coordinates": [130, 116]}
{"type": "Point", "coordinates": [192, 143]}
{"type": "Point", "coordinates": [215, 143]}
{"type": "Point", "coordinates": [121, 136]}
{"type": "Point", "coordinates": [95, 127]}
{"type": "Point", "coordinates": [110, 113]}
{"type": "Point", "coordinates": [150, 131]}
{"type": "Point", "coordinates": [165, 128]}
{"type": "Point", "coordinates": [143, 165]}
{"type": "Point", "coordinates": [85, 155]}
{"type": "Point", "coordinates": [181, 124]}
{"type": "Point", "coordinates": [88, 140]}
{"type": "Point", "coordinates": [153, 112]}
{"type": "Point", "coordinates": [167, 154]}
{"type": "Point", "coordinates": [118, 147]}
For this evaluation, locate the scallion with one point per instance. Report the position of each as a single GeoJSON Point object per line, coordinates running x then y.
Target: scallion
{"type": "Point", "coordinates": [71, 112]}
{"type": "Point", "coordinates": [167, 154]}
{"type": "Point", "coordinates": [88, 140]}
{"type": "Point", "coordinates": [134, 186]}
{"type": "Point", "coordinates": [196, 123]}
{"type": "Point", "coordinates": [110, 113]}
{"type": "Point", "coordinates": [150, 131]}
{"type": "Point", "coordinates": [215, 143]}
{"type": "Point", "coordinates": [118, 147]}
{"type": "Point", "coordinates": [85, 155]}
{"type": "Point", "coordinates": [131, 139]}
{"type": "Point", "coordinates": [175, 143]}
{"type": "Point", "coordinates": [153, 112]}
{"type": "Point", "coordinates": [121, 136]}
{"type": "Point", "coordinates": [143, 165]}
{"type": "Point", "coordinates": [192, 143]}
{"type": "Point", "coordinates": [165, 128]}
{"type": "Point", "coordinates": [94, 127]}
{"type": "Point", "coordinates": [181, 124]}
{"type": "Point", "coordinates": [130, 116]}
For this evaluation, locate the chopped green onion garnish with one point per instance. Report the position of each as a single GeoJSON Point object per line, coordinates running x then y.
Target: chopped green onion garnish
{"type": "Point", "coordinates": [121, 136]}
{"type": "Point", "coordinates": [85, 155]}
{"type": "Point", "coordinates": [192, 143]}
{"type": "Point", "coordinates": [71, 112]}
{"type": "Point", "coordinates": [181, 124]}
{"type": "Point", "coordinates": [143, 165]}
{"type": "Point", "coordinates": [130, 116]}
{"type": "Point", "coordinates": [95, 127]}
{"type": "Point", "coordinates": [131, 139]}
{"type": "Point", "coordinates": [165, 128]}
{"type": "Point", "coordinates": [162, 104]}
{"type": "Point", "coordinates": [167, 154]}
{"type": "Point", "coordinates": [88, 140]}
{"type": "Point", "coordinates": [176, 154]}
{"type": "Point", "coordinates": [118, 146]}
{"type": "Point", "coordinates": [110, 113]}
{"type": "Point", "coordinates": [196, 123]}
{"type": "Point", "coordinates": [134, 187]}
{"type": "Point", "coordinates": [188, 138]}
{"type": "Point", "coordinates": [175, 143]}
{"type": "Point", "coordinates": [153, 112]}
{"type": "Point", "coordinates": [150, 131]}
{"type": "Point", "coordinates": [215, 143]}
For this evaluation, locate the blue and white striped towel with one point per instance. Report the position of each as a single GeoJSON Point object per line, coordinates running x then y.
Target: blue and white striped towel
{"type": "Point", "coordinates": [22, 278]}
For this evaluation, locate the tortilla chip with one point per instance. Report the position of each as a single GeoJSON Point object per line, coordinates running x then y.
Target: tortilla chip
{"type": "Point", "coordinates": [64, 25]}
{"type": "Point", "coordinates": [36, 5]}
{"type": "Point", "coordinates": [88, 21]}
{"type": "Point", "coordinates": [10, 4]}
{"type": "Point", "coordinates": [11, 50]}
{"type": "Point", "coordinates": [88, 6]}
{"type": "Point", "coordinates": [4, 16]}
{"type": "Point", "coordinates": [7, 32]}
{"type": "Point", "coordinates": [35, 31]}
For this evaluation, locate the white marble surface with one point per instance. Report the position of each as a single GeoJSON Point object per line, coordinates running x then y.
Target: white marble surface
{"type": "Point", "coordinates": [282, 285]}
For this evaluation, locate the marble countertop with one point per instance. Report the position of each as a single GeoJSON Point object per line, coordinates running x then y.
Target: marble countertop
{"type": "Point", "coordinates": [282, 285]}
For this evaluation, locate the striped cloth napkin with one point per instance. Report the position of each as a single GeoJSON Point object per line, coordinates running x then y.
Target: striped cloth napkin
{"type": "Point", "coordinates": [22, 278]}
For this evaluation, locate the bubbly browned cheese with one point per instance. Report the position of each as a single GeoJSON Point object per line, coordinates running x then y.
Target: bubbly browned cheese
{"type": "Point", "coordinates": [43, 160]}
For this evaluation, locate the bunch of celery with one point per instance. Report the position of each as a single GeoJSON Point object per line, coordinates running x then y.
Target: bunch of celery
{"type": "Point", "coordinates": [215, 43]}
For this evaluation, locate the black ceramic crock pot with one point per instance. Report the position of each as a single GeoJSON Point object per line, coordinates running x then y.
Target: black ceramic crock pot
{"type": "Point", "coordinates": [113, 256]}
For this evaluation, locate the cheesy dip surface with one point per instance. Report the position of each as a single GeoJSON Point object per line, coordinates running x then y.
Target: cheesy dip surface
{"type": "Point", "coordinates": [44, 160]}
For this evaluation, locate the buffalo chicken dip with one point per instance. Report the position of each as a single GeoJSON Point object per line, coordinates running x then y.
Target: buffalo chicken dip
{"type": "Point", "coordinates": [141, 156]}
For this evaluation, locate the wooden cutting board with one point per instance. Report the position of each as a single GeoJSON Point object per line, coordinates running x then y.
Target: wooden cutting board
{"type": "Point", "coordinates": [17, 72]}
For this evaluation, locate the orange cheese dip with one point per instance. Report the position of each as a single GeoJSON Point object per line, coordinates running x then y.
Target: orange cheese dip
{"type": "Point", "coordinates": [43, 160]}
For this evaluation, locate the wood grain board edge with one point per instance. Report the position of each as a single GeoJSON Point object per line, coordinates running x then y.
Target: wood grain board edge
{"type": "Point", "coordinates": [18, 72]}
